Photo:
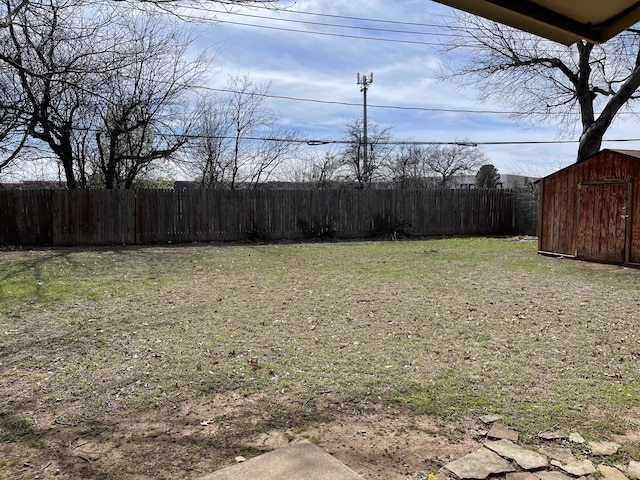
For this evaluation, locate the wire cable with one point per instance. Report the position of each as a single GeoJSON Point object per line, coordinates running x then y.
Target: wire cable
{"type": "Point", "coordinates": [335, 35]}
{"type": "Point", "coordinates": [397, 107]}
{"type": "Point", "coordinates": [334, 25]}
{"type": "Point", "coordinates": [466, 143]}
{"type": "Point", "coordinates": [342, 17]}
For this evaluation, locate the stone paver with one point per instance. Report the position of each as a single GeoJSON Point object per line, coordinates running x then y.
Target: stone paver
{"type": "Point", "coordinates": [552, 476]}
{"type": "Point", "coordinates": [576, 438]}
{"type": "Point", "coordinates": [554, 435]}
{"type": "Point", "coordinates": [502, 432]}
{"type": "Point", "coordinates": [479, 465]}
{"type": "Point", "coordinates": [633, 470]}
{"type": "Point", "coordinates": [550, 462]}
{"type": "Point", "coordinates": [297, 461]}
{"type": "Point", "coordinates": [603, 448]}
{"type": "Point", "coordinates": [491, 418]}
{"type": "Point", "coordinates": [521, 476]}
{"type": "Point", "coordinates": [305, 461]}
{"type": "Point", "coordinates": [611, 473]}
{"type": "Point", "coordinates": [526, 459]}
{"type": "Point", "coordinates": [561, 454]}
{"type": "Point", "coordinates": [579, 469]}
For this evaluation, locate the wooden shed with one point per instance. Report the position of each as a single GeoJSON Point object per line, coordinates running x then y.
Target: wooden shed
{"type": "Point", "coordinates": [591, 210]}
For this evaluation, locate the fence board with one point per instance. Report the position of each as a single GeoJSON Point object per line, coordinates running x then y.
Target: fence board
{"type": "Point", "coordinates": [25, 217]}
{"type": "Point", "coordinates": [95, 217]}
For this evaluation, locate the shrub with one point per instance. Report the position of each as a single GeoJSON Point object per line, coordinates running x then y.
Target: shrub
{"type": "Point", "coordinates": [320, 230]}
{"type": "Point", "coordinates": [390, 228]}
{"type": "Point", "coordinates": [257, 234]}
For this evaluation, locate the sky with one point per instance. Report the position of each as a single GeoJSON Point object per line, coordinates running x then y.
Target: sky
{"type": "Point", "coordinates": [312, 51]}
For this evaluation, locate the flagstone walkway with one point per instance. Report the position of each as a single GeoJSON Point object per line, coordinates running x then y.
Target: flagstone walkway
{"type": "Point", "coordinates": [502, 456]}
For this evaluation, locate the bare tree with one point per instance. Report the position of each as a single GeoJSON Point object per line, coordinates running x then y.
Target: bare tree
{"type": "Point", "coordinates": [51, 48]}
{"type": "Point", "coordinates": [268, 155]}
{"type": "Point", "coordinates": [448, 161]}
{"type": "Point", "coordinates": [64, 62]}
{"type": "Point", "coordinates": [542, 79]}
{"type": "Point", "coordinates": [238, 143]}
{"type": "Point", "coordinates": [315, 170]}
{"type": "Point", "coordinates": [13, 137]}
{"type": "Point", "coordinates": [408, 167]}
{"type": "Point", "coordinates": [144, 106]}
{"type": "Point", "coordinates": [420, 166]}
{"type": "Point", "coordinates": [208, 157]}
{"type": "Point", "coordinates": [13, 129]}
{"type": "Point", "coordinates": [247, 118]}
{"type": "Point", "coordinates": [324, 171]}
{"type": "Point", "coordinates": [363, 171]}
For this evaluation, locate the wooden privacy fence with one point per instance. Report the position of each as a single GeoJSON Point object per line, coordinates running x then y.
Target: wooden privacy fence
{"type": "Point", "coordinates": [99, 217]}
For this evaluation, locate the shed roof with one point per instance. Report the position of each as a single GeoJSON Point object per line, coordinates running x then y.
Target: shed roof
{"type": "Point", "coordinates": [565, 21]}
{"type": "Point", "coordinates": [628, 153]}
{"type": "Point", "coordinates": [632, 154]}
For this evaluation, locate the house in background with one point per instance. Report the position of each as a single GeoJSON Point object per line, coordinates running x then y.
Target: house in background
{"type": "Point", "coordinates": [591, 210]}
{"type": "Point", "coordinates": [35, 185]}
{"type": "Point", "coordinates": [507, 181]}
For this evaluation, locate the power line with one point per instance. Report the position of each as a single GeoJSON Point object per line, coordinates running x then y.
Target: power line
{"type": "Point", "coordinates": [351, 104]}
{"type": "Point", "coordinates": [334, 25]}
{"type": "Point", "coordinates": [323, 142]}
{"type": "Point", "coordinates": [466, 29]}
{"type": "Point", "coordinates": [336, 35]}
{"type": "Point", "coordinates": [342, 17]}
{"type": "Point", "coordinates": [320, 142]}
{"type": "Point", "coordinates": [395, 107]}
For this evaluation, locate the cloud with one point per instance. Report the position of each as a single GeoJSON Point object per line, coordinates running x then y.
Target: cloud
{"type": "Point", "coordinates": [323, 65]}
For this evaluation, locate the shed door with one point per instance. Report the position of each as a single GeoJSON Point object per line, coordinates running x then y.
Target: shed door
{"type": "Point", "coordinates": [602, 221]}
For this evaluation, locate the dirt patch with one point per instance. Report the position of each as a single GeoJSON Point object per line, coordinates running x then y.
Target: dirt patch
{"type": "Point", "coordinates": [389, 446]}
{"type": "Point", "coordinates": [605, 267]}
{"type": "Point", "coordinates": [200, 437]}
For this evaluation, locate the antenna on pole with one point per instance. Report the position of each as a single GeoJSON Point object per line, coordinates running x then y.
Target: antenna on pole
{"type": "Point", "coordinates": [365, 81]}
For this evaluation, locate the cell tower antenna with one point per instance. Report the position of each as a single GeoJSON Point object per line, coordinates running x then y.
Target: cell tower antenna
{"type": "Point", "coordinates": [365, 81]}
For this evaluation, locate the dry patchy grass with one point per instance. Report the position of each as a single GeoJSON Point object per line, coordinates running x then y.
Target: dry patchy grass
{"type": "Point", "coordinates": [105, 351]}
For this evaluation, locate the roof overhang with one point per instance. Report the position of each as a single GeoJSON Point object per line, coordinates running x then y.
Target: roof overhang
{"type": "Point", "coordinates": [564, 21]}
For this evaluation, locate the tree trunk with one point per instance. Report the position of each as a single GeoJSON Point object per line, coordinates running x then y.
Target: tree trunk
{"type": "Point", "coordinates": [63, 149]}
{"type": "Point", "coordinates": [590, 142]}
{"type": "Point", "coordinates": [593, 129]}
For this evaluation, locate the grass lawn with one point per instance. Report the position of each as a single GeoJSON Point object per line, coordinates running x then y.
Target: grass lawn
{"type": "Point", "coordinates": [291, 334]}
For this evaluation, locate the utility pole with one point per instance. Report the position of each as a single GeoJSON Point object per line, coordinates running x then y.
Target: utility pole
{"type": "Point", "coordinates": [364, 83]}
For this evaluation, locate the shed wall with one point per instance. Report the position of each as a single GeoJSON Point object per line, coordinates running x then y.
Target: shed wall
{"type": "Point", "coordinates": [559, 205]}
